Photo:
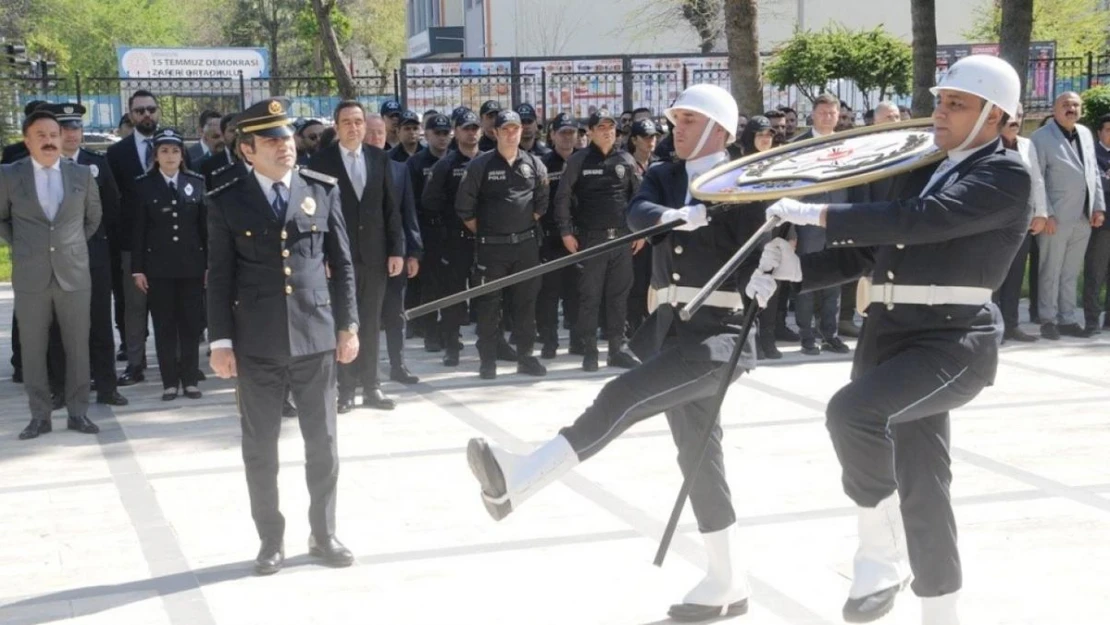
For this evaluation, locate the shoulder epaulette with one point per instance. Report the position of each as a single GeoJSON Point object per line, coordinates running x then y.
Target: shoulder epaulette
{"type": "Point", "coordinates": [221, 169]}
{"type": "Point", "coordinates": [317, 176]}
{"type": "Point", "coordinates": [142, 175]}
{"type": "Point", "coordinates": [223, 187]}
{"type": "Point", "coordinates": [192, 174]}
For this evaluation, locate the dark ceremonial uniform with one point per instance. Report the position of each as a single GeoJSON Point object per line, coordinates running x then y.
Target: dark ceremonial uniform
{"type": "Point", "coordinates": [171, 248]}
{"type": "Point", "coordinates": [682, 360]}
{"type": "Point", "coordinates": [590, 205]}
{"type": "Point", "coordinates": [268, 294]}
{"type": "Point", "coordinates": [917, 361]}
{"type": "Point", "coordinates": [505, 199]}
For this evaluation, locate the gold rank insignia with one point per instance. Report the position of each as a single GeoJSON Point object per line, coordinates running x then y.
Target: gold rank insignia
{"type": "Point", "coordinates": [275, 108]}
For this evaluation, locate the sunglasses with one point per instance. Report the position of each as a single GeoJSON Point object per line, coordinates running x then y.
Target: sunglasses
{"type": "Point", "coordinates": [149, 110]}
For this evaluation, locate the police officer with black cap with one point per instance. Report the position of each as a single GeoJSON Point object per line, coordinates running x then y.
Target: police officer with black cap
{"type": "Point", "coordinates": [488, 112]}
{"type": "Point", "coordinates": [437, 130]}
{"type": "Point", "coordinates": [391, 112]}
{"type": "Point", "coordinates": [273, 320]}
{"type": "Point", "coordinates": [561, 284]}
{"type": "Point", "coordinates": [530, 131]}
{"type": "Point", "coordinates": [437, 206]}
{"type": "Point", "coordinates": [590, 204]}
{"type": "Point", "coordinates": [502, 194]}
{"type": "Point", "coordinates": [641, 145]}
{"type": "Point", "coordinates": [408, 137]}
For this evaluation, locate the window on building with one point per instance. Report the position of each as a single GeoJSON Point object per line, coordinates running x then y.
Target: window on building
{"type": "Point", "coordinates": [423, 14]}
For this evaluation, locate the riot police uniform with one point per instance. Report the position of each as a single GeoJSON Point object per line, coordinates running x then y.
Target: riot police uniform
{"type": "Point", "coordinates": [505, 199]}
{"type": "Point", "coordinates": [590, 205]}
{"type": "Point", "coordinates": [561, 284]}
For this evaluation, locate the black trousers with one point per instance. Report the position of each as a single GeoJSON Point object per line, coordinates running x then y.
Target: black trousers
{"type": "Point", "coordinates": [1034, 278]}
{"type": "Point", "coordinates": [102, 343]}
{"type": "Point", "coordinates": [396, 296]}
{"type": "Point", "coordinates": [176, 307]}
{"type": "Point", "coordinates": [117, 277]}
{"type": "Point", "coordinates": [605, 278]}
{"type": "Point", "coordinates": [432, 283]}
{"type": "Point", "coordinates": [890, 430]}
{"type": "Point", "coordinates": [684, 391]}
{"type": "Point", "coordinates": [1096, 264]}
{"type": "Point", "coordinates": [261, 393]}
{"type": "Point", "coordinates": [370, 288]}
{"type": "Point", "coordinates": [641, 282]}
{"type": "Point", "coordinates": [456, 263]}
{"type": "Point", "coordinates": [1008, 295]}
{"type": "Point", "coordinates": [555, 286]}
{"type": "Point", "coordinates": [498, 261]}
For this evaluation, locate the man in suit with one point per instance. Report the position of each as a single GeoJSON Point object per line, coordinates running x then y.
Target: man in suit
{"type": "Point", "coordinates": [274, 321]}
{"type": "Point", "coordinates": [370, 208]}
{"type": "Point", "coordinates": [49, 208]}
{"type": "Point", "coordinates": [1073, 185]}
{"type": "Point", "coordinates": [102, 344]}
{"type": "Point", "coordinates": [224, 165]}
{"type": "Point", "coordinates": [211, 138]}
{"type": "Point", "coordinates": [1097, 261]}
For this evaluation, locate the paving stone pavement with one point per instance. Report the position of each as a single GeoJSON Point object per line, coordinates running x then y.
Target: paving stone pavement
{"type": "Point", "coordinates": [148, 523]}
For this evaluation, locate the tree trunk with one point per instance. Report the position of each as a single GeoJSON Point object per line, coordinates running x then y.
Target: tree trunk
{"type": "Point", "coordinates": [273, 27]}
{"type": "Point", "coordinates": [1017, 29]}
{"type": "Point", "coordinates": [743, 55]}
{"type": "Point", "coordinates": [323, 10]}
{"type": "Point", "coordinates": [924, 15]}
{"type": "Point", "coordinates": [702, 14]}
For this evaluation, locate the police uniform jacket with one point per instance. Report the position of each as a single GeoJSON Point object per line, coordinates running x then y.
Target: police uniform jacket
{"type": "Point", "coordinates": [437, 201]}
{"type": "Point", "coordinates": [485, 143]}
{"type": "Point", "coordinates": [420, 170]}
{"type": "Point", "coordinates": [690, 259]}
{"type": "Point", "coordinates": [503, 196]}
{"type": "Point", "coordinates": [594, 191]}
{"type": "Point", "coordinates": [540, 149]}
{"type": "Point", "coordinates": [99, 250]}
{"type": "Point", "coordinates": [215, 165]}
{"type": "Point", "coordinates": [171, 234]}
{"type": "Point", "coordinates": [964, 232]}
{"type": "Point", "coordinates": [555, 165]}
{"type": "Point", "coordinates": [267, 290]}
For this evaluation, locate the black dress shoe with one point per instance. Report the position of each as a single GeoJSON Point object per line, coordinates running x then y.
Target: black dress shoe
{"type": "Point", "coordinates": [34, 428]}
{"type": "Point", "coordinates": [768, 350]}
{"type": "Point", "coordinates": [331, 551]}
{"type": "Point", "coordinates": [82, 425]}
{"type": "Point", "coordinates": [693, 613]}
{"type": "Point", "coordinates": [784, 333]}
{"type": "Point", "coordinates": [589, 362]}
{"type": "Point", "coordinates": [112, 399]}
{"type": "Point", "coordinates": [451, 358]}
{"type": "Point", "coordinates": [835, 345]}
{"type": "Point", "coordinates": [549, 351]}
{"type": "Point", "coordinates": [506, 351]}
{"type": "Point", "coordinates": [1049, 332]}
{"type": "Point", "coordinates": [622, 359]}
{"type": "Point", "coordinates": [529, 365]}
{"type": "Point", "coordinates": [270, 557]}
{"type": "Point", "coordinates": [403, 375]}
{"type": "Point", "coordinates": [169, 394]}
{"type": "Point", "coordinates": [131, 376]}
{"type": "Point", "coordinates": [377, 400]}
{"type": "Point", "coordinates": [1073, 330]}
{"type": "Point", "coordinates": [193, 392]}
{"type": "Point", "coordinates": [487, 370]}
{"type": "Point", "coordinates": [809, 348]}
{"type": "Point", "coordinates": [1015, 334]}
{"type": "Point", "coordinates": [871, 607]}
{"type": "Point", "coordinates": [346, 404]}
{"type": "Point", "coordinates": [17, 375]}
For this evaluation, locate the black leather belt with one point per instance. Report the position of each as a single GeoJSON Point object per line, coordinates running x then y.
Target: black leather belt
{"type": "Point", "coordinates": [466, 234]}
{"type": "Point", "coordinates": [608, 233]}
{"type": "Point", "coordinates": [506, 239]}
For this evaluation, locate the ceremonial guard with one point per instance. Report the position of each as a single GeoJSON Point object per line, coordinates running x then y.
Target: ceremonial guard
{"type": "Point", "coordinates": [273, 320]}
{"type": "Point", "coordinates": [501, 196]}
{"type": "Point", "coordinates": [437, 205]}
{"type": "Point", "coordinates": [683, 360]}
{"type": "Point", "coordinates": [930, 343]}
{"type": "Point", "coordinates": [169, 260]}
{"type": "Point", "coordinates": [561, 284]}
{"type": "Point", "coordinates": [594, 191]}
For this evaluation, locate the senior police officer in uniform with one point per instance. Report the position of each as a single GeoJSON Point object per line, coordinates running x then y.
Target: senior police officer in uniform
{"type": "Point", "coordinates": [683, 360]}
{"type": "Point", "coordinates": [502, 195]}
{"type": "Point", "coordinates": [930, 343]}
{"type": "Point", "coordinates": [593, 194]}
{"type": "Point", "coordinates": [561, 284]}
{"type": "Point", "coordinates": [273, 321]}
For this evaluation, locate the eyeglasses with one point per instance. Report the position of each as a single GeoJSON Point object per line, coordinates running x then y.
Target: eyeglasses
{"type": "Point", "coordinates": [149, 110]}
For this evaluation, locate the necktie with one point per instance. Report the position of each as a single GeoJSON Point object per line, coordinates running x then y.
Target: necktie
{"type": "Point", "coordinates": [279, 201]}
{"type": "Point", "coordinates": [173, 187]}
{"type": "Point", "coordinates": [54, 180]}
{"type": "Point", "coordinates": [148, 156]}
{"type": "Point", "coordinates": [356, 174]}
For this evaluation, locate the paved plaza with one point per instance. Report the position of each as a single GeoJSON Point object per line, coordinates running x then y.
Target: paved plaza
{"type": "Point", "coordinates": [148, 523]}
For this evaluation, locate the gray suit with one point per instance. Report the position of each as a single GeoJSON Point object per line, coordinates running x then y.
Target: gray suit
{"type": "Point", "coordinates": [50, 275]}
{"type": "Point", "coordinates": [1074, 189]}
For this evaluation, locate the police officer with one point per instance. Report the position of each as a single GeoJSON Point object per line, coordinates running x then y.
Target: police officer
{"type": "Point", "coordinates": [530, 131]}
{"type": "Point", "coordinates": [170, 258]}
{"type": "Point", "coordinates": [561, 284]}
{"type": "Point", "coordinates": [683, 360]}
{"type": "Point", "coordinates": [590, 204]}
{"type": "Point", "coordinates": [488, 112]}
{"type": "Point", "coordinates": [274, 321]}
{"type": "Point", "coordinates": [391, 112]}
{"type": "Point", "coordinates": [408, 137]}
{"type": "Point", "coordinates": [930, 343]}
{"type": "Point", "coordinates": [641, 144]}
{"type": "Point", "coordinates": [428, 287]}
{"type": "Point", "coordinates": [503, 193]}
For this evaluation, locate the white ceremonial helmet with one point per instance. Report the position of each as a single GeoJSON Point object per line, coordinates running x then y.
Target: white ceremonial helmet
{"type": "Point", "coordinates": [713, 102]}
{"type": "Point", "coordinates": [984, 76]}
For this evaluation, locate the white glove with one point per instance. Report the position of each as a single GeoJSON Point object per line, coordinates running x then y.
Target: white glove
{"type": "Point", "coordinates": [780, 261]}
{"type": "Point", "coordinates": [796, 212]}
{"type": "Point", "coordinates": [760, 288]}
{"type": "Point", "coordinates": [695, 216]}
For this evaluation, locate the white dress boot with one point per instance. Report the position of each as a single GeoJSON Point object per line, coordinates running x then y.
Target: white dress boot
{"type": "Point", "coordinates": [508, 479]}
{"type": "Point", "coordinates": [724, 591]}
{"type": "Point", "coordinates": [882, 566]}
{"type": "Point", "coordinates": [940, 610]}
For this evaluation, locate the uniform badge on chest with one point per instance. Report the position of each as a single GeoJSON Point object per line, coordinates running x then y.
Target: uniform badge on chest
{"type": "Point", "coordinates": [188, 189]}
{"type": "Point", "coordinates": [309, 206]}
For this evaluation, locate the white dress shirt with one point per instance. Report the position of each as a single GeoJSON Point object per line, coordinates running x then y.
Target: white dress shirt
{"type": "Point", "coordinates": [48, 187]}
{"type": "Point", "coordinates": [355, 165]}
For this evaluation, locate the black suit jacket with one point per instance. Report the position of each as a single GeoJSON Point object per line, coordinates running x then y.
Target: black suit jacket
{"type": "Point", "coordinates": [374, 223]}
{"type": "Point", "coordinates": [123, 159]}
{"type": "Point", "coordinates": [267, 288]}
{"type": "Point", "coordinates": [99, 250]}
{"type": "Point", "coordinates": [170, 231]}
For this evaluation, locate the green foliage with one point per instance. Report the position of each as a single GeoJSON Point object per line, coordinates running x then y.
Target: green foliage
{"type": "Point", "coordinates": [1077, 26]}
{"type": "Point", "coordinates": [873, 59]}
{"type": "Point", "coordinates": [1096, 103]}
{"type": "Point", "coordinates": [378, 28]}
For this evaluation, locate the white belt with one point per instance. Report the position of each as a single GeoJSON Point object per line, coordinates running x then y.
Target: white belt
{"type": "Point", "coordinates": [932, 295]}
{"type": "Point", "coordinates": [675, 295]}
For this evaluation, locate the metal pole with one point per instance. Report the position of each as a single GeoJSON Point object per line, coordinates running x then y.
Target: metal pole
{"type": "Point", "coordinates": [397, 85]}
{"type": "Point", "coordinates": [242, 92]}
{"type": "Point", "coordinates": [727, 270]}
{"type": "Point", "coordinates": [77, 84]}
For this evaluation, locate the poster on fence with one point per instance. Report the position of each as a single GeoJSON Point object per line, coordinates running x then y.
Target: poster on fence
{"type": "Point", "coordinates": [656, 82]}
{"type": "Point", "coordinates": [1042, 73]}
{"type": "Point", "coordinates": [443, 86]}
{"type": "Point", "coordinates": [577, 87]}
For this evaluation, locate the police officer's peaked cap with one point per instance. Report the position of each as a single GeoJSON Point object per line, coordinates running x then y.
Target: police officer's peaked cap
{"type": "Point", "coordinates": [267, 118]}
{"type": "Point", "coordinates": [599, 116]}
{"type": "Point", "coordinates": [526, 111]}
{"type": "Point", "coordinates": [467, 118]}
{"type": "Point", "coordinates": [459, 110]}
{"type": "Point", "coordinates": [644, 128]}
{"type": "Point", "coordinates": [169, 136]}
{"type": "Point", "coordinates": [562, 120]}
{"type": "Point", "coordinates": [439, 122]}
{"type": "Point", "coordinates": [68, 114]}
{"type": "Point", "coordinates": [489, 106]}
{"type": "Point", "coordinates": [506, 118]}
{"type": "Point", "coordinates": [410, 117]}
{"type": "Point", "coordinates": [390, 108]}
